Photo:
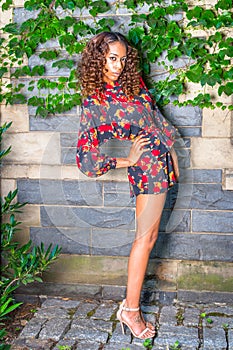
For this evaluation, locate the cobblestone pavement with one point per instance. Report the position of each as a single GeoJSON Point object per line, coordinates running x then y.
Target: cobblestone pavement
{"type": "Point", "coordinates": [67, 324]}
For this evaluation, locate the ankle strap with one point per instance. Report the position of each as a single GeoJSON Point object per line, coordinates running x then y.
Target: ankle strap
{"type": "Point", "coordinates": [130, 309]}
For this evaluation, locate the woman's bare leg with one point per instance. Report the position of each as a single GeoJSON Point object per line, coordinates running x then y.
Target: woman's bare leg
{"type": "Point", "coordinates": [148, 214]}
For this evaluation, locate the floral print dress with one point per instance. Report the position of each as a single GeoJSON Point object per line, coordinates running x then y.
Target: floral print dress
{"type": "Point", "coordinates": [116, 116]}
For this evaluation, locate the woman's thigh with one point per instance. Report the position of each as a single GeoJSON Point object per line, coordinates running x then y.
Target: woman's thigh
{"type": "Point", "coordinates": [149, 208]}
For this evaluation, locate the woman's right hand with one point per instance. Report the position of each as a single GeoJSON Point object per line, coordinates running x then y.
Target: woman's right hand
{"type": "Point", "coordinates": [137, 149]}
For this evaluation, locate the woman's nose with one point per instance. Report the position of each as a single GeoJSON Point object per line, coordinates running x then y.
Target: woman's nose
{"type": "Point", "coordinates": [119, 64]}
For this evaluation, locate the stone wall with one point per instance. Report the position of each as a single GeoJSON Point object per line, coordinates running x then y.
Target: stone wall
{"type": "Point", "coordinates": [94, 220]}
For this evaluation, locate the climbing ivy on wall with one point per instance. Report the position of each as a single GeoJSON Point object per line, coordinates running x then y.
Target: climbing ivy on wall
{"type": "Point", "coordinates": [186, 43]}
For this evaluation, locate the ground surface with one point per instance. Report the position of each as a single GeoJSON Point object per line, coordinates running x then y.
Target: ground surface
{"type": "Point", "coordinates": [83, 324]}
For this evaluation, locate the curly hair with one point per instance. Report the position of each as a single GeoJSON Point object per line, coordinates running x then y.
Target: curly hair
{"type": "Point", "coordinates": [93, 62]}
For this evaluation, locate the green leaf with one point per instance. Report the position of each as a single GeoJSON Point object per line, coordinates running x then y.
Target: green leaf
{"type": "Point", "coordinates": [136, 35]}
{"type": "Point", "coordinates": [227, 89]}
{"type": "Point", "coordinates": [63, 64]}
{"type": "Point", "coordinates": [11, 28]}
{"type": "Point", "coordinates": [49, 55]}
{"type": "Point", "coordinates": [3, 70]}
{"type": "Point", "coordinates": [195, 73]}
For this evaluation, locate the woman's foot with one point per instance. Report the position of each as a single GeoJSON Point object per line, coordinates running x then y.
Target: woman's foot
{"type": "Point", "coordinates": [136, 323]}
{"type": "Point", "coordinates": [132, 318]}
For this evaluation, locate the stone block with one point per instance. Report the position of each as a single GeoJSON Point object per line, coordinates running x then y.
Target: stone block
{"type": "Point", "coordinates": [193, 247]}
{"type": "Point", "coordinates": [60, 123]}
{"type": "Point", "coordinates": [60, 192]}
{"type": "Point", "coordinates": [69, 139]}
{"type": "Point", "coordinates": [169, 334]}
{"type": "Point", "coordinates": [214, 338]}
{"type": "Point", "coordinates": [175, 221]}
{"type": "Point", "coordinates": [5, 17]}
{"type": "Point", "coordinates": [105, 311]}
{"type": "Point", "coordinates": [63, 216]}
{"type": "Point", "coordinates": [228, 179]}
{"type": "Point", "coordinates": [72, 241]}
{"type": "Point", "coordinates": [33, 148]}
{"type": "Point", "coordinates": [62, 289]}
{"type": "Point", "coordinates": [93, 270]}
{"type": "Point", "coordinates": [83, 311]}
{"type": "Point", "coordinates": [211, 197]}
{"type": "Point", "coordinates": [68, 155]}
{"type": "Point", "coordinates": [7, 186]}
{"type": "Point", "coordinates": [32, 328]}
{"type": "Point", "coordinates": [18, 3]}
{"type": "Point", "coordinates": [212, 221]}
{"type": "Point", "coordinates": [207, 176]}
{"type": "Point", "coordinates": [21, 15]}
{"type": "Point", "coordinates": [168, 316]}
{"type": "Point", "coordinates": [161, 273]}
{"type": "Point", "coordinates": [111, 242]}
{"type": "Point", "coordinates": [60, 302]}
{"type": "Point", "coordinates": [216, 123]}
{"type": "Point", "coordinates": [18, 114]}
{"type": "Point", "coordinates": [30, 215]}
{"type": "Point", "coordinates": [218, 153]}
{"type": "Point", "coordinates": [183, 116]}
{"type": "Point", "coordinates": [191, 317]}
{"type": "Point", "coordinates": [186, 131]}
{"type": "Point", "coordinates": [55, 329]}
{"type": "Point", "coordinates": [114, 292]}
{"type": "Point", "coordinates": [204, 297]}
{"type": "Point", "coordinates": [209, 276]}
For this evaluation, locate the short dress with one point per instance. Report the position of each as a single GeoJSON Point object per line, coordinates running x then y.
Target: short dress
{"type": "Point", "coordinates": [118, 117]}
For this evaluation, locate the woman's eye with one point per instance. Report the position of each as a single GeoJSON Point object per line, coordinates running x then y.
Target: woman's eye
{"type": "Point", "coordinates": [112, 58]}
{"type": "Point", "coordinates": [123, 59]}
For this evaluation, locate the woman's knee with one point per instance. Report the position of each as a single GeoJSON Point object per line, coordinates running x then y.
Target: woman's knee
{"type": "Point", "coordinates": [147, 240]}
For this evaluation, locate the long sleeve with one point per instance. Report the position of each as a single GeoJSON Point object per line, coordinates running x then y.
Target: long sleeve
{"type": "Point", "coordinates": [90, 160]}
{"type": "Point", "coordinates": [166, 132]}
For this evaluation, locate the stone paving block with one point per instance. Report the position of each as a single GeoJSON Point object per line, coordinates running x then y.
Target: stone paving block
{"type": "Point", "coordinates": [224, 310]}
{"type": "Point", "coordinates": [230, 339]}
{"type": "Point", "coordinates": [168, 335]}
{"type": "Point", "coordinates": [92, 324]}
{"type": "Point", "coordinates": [62, 303]}
{"type": "Point", "coordinates": [61, 343]}
{"type": "Point", "coordinates": [84, 309]}
{"type": "Point", "coordinates": [150, 308]}
{"type": "Point", "coordinates": [191, 317]}
{"type": "Point", "coordinates": [32, 328]}
{"type": "Point", "coordinates": [87, 346]}
{"type": "Point", "coordinates": [114, 292]}
{"type": "Point", "coordinates": [119, 338]}
{"type": "Point", "coordinates": [32, 344]}
{"type": "Point", "coordinates": [123, 346]}
{"type": "Point", "coordinates": [87, 334]}
{"type": "Point", "coordinates": [52, 313]}
{"type": "Point", "coordinates": [218, 321]}
{"type": "Point", "coordinates": [105, 311]}
{"type": "Point", "coordinates": [214, 338]}
{"type": "Point", "coordinates": [54, 329]}
{"type": "Point", "coordinates": [168, 315]}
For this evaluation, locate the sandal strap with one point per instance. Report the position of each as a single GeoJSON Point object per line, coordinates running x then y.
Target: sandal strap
{"type": "Point", "coordinates": [130, 309]}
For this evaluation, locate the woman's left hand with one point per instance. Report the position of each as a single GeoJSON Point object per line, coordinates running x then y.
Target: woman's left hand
{"type": "Point", "coordinates": [175, 163]}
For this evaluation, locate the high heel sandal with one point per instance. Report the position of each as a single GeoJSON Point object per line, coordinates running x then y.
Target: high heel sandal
{"type": "Point", "coordinates": [123, 322]}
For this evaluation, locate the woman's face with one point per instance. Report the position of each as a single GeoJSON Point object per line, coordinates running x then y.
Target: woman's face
{"type": "Point", "coordinates": [115, 62]}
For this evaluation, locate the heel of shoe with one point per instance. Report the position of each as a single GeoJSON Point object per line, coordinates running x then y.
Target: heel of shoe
{"type": "Point", "coordinates": [120, 319]}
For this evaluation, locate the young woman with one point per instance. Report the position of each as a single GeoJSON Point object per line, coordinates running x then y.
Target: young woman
{"type": "Point", "coordinates": [118, 105]}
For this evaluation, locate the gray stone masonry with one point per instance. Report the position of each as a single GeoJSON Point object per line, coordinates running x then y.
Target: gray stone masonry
{"type": "Point", "coordinates": [62, 323]}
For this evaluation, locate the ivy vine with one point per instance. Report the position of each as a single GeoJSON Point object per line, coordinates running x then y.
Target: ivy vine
{"type": "Point", "coordinates": [165, 36]}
